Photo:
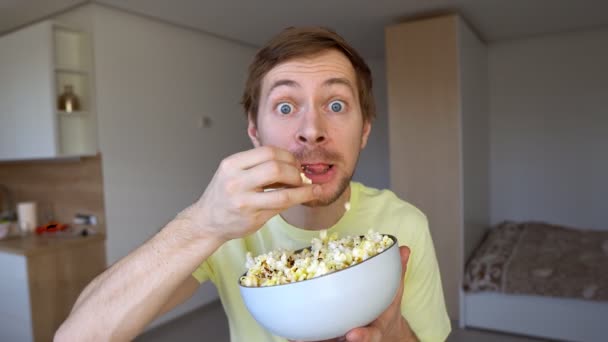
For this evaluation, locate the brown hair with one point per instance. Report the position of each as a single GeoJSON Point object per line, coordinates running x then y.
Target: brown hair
{"type": "Point", "coordinates": [302, 42]}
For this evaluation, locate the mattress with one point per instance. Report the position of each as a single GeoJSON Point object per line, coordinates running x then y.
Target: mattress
{"type": "Point", "coordinates": [537, 258]}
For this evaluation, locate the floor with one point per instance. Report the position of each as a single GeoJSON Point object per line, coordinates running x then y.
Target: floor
{"type": "Point", "coordinates": [209, 324]}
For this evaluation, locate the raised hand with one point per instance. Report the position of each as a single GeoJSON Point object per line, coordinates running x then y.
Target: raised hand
{"type": "Point", "coordinates": [235, 205]}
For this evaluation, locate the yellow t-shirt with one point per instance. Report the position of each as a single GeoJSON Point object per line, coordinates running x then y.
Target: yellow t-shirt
{"type": "Point", "coordinates": [423, 305]}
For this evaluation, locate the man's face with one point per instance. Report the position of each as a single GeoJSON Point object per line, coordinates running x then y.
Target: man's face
{"type": "Point", "coordinates": [310, 107]}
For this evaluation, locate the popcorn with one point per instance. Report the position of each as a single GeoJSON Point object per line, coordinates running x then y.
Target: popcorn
{"type": "Point", "coordinates": [305, 180]}
{"type": "Point", "coordinates": [347, 206]}
{"type": "Point", "coordinates": [278, 186]}
{"type": "Point", "coordinates": [326, 254]}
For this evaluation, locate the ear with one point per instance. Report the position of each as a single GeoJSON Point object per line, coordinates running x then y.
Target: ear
{"type": "Point", "coordinates": [367, 128]}
{"type": "Point", "coordinates": [252, 131]}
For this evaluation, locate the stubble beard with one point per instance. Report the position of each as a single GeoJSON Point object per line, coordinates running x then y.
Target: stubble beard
{"type": "Point", "coordinates": [343, 182]}
{"type": "Point", "coordinates": [322, 202]}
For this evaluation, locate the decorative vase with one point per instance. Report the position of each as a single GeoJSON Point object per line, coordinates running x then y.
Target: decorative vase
{"type": "Point", "coordinates": [68, 101]}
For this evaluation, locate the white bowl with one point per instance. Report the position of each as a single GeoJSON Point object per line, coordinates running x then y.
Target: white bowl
{"type": "Point", "coordinates": [330, 305]}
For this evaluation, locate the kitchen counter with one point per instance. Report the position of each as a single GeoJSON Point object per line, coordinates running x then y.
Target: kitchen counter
{"type": "Point", "coordinates": [41, 280]}
{"type": "Point", "coordinates": [34, 244]}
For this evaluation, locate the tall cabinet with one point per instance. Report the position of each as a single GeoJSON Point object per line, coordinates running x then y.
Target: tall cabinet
{"type": "Point", "coordinates": [439, 135]}
{"type": "Point", "coordinates": [37, 65]}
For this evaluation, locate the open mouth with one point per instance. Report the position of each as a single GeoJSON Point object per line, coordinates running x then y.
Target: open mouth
{"type": "Point", "coordinates": [316, 169]}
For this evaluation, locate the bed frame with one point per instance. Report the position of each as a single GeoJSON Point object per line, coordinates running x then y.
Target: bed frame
{"type": "Point", "coordinates": [536, 316]}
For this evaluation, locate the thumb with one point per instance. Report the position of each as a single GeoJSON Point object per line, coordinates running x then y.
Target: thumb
{"type": "Point", "coordinates": [405, 256]}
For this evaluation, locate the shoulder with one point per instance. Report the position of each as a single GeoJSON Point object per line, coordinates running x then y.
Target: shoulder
{"type": "Point", "coordinates": [387, 203]}
{"type": "Point", "coordinates": [392, 214]}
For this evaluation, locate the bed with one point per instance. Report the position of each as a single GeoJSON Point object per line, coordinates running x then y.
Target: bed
{"type": "Point", "coordinates": [539, 279]}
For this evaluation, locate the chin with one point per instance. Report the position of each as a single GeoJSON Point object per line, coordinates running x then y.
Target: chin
{"type": "Point", "coordinates": [315, 204]}
{"type": "Point", "coordinates": [329, 195]}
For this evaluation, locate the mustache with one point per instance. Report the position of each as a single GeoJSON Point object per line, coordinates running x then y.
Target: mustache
{"type": "Point", "coordinates": [317, 154]}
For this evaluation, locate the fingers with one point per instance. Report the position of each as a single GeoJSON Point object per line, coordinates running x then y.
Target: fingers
{"type": "Point", "coordinates": [405, 256]}
{"type": "Point", "coordinates": [248, 159]}
{"type": "Point", "coordinates": [366, 334]}
{"type": "Point", "coordinates": [277, 173]}
{"type": "Point", "coordinates": [285, 198]}
{"type": "Point", "coordinates": [338, 339]}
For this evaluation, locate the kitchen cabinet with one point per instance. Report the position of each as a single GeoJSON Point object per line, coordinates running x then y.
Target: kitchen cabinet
{"type": "Point", "coordinates": [36, 65]}
{"type": "Point", "coordinates": [40, 281]}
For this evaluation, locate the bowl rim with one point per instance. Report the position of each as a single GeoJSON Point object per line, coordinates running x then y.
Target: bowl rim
{"type": "Point", "coordinates": [395, 243]}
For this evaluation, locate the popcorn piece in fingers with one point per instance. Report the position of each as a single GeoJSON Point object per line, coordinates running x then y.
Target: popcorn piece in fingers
{"type": "Point", "coordinates": [305, 179]}
{"type": "Point", "coordinates": [278, 186]}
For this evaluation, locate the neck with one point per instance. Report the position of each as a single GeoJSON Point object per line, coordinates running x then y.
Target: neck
{"type": "Point", "coordinates": [317, 218]}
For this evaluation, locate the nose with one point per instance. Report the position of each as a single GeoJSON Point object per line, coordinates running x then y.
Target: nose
{"type": "Point", "coordinates": [312, 130]}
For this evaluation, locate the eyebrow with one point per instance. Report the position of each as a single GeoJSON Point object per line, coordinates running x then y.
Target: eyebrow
{"type": "Point", "coordinates": [280, 83]}
{"type": "Point", "coordinates": [327, 83]}
{"type": "Point", "coordinates": [339, 80]}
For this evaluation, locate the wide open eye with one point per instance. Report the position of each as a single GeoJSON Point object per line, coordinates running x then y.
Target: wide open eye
{"type": "Point", "coordinates": [285, 108]}
{"type": "Point", "coordinates": [336, 106]}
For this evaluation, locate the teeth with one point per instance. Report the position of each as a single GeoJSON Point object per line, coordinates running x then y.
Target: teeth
{"type": "Point", "coordinates": [306, 169]}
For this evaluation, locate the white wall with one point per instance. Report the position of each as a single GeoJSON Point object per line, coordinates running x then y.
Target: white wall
{"type": "Point", "coordinates": [475, 121]}
{"type": "Point", "coordinates": [154, 82]}
{"type": "Point", "coordinates": [549, 129]}
{"type": "Point", "coordinates": [373, 168]}
{"type": "Point", "coordinates": [473, 76]}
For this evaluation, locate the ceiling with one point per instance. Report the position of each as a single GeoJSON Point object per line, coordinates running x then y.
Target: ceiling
{"type": "Point", "coordinates": [361, 22]}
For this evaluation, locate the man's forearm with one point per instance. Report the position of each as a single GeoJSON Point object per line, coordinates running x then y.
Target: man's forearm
{"type": "Point", "coordinates": [120, 302]}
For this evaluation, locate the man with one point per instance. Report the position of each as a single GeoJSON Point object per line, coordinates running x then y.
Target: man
{"type": "Point", "coordinates": [309, 106]}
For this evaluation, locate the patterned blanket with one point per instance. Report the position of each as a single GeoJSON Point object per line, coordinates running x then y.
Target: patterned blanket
{"type": "Point", "coordinates": [537, 258]}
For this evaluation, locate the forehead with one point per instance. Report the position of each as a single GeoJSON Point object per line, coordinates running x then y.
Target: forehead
{"type": "Point", "coordinates": [319, 67]}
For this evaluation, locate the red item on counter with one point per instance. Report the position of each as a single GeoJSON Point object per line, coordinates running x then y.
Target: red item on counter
{"type": "Point", "coordinates": [51, 227]}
